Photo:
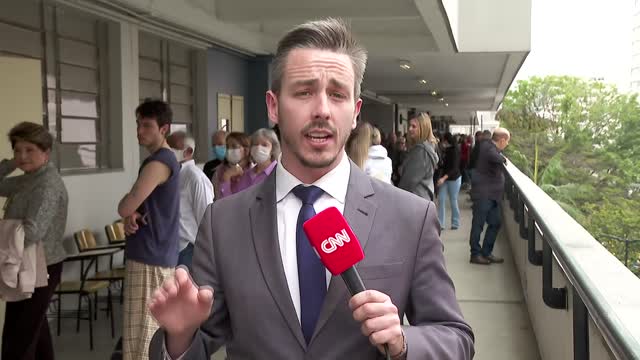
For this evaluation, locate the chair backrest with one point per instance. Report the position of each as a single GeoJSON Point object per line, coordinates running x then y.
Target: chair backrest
{"type": "Point", "coordinates": [115, 232]}
{"type": "Point", "coordinates": [85, 240]}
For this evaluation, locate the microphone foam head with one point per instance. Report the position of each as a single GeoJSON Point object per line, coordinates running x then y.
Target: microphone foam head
{"type": "Point", "coordinates": [333, 240]}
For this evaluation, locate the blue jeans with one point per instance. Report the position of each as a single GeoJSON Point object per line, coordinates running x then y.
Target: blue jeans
{"type": "Point", "coordinates": [186, 256]}
{"type": "Point", "coordinates": [452, 189]}
{"type": "Point", "coordinates": [484, 211]}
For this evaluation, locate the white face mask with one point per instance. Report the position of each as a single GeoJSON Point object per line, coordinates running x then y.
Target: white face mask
{"type": "Point", "coordinates": [260, 153]}
{"type": "Point", "coordinates": [179, 154]}
{"type": "Point", "coordinates": [234, 156]}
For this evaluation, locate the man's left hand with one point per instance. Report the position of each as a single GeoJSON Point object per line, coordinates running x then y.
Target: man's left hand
{"type": "Point", "coordinates": [379, 319]}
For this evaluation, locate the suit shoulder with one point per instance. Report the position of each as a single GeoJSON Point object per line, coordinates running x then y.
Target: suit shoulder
{"type": "Point", "coordinates": [398, 199]}
{"type": "Point", "coordinates": [240, 199]}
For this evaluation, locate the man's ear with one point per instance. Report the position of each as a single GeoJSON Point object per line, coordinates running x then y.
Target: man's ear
{"type": "Point", "coordinates": [164, 130]}
{"type": "Point", "coordinates": [356, 113]}
{"type": "Point", "coordinates": [272, 106]}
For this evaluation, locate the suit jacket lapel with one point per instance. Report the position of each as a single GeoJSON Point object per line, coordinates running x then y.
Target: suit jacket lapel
{"type": "Point", "coordinates": [264, 228]}
{"type": "Point", "coordinates": [359, 212]}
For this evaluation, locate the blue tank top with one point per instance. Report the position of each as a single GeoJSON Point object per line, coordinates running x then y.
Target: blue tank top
{"type": "Point", "coordinates": [156, 243]}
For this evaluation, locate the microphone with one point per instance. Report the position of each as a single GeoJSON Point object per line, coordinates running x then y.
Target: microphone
{"type": "Point", "coordinates": [338, 248]}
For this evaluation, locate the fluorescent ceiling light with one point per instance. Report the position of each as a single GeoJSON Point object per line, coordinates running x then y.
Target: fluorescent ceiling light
{"type": "Point", "coordinates": [434, 93]}
{"type": "Point", "coordinates": [422, 81]}
{"type": "Point", "coordinates": [405, 64]}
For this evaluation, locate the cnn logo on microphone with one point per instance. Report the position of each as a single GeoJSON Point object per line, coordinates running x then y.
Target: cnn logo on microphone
{"type": "Point", "coordinates": [331, 244]}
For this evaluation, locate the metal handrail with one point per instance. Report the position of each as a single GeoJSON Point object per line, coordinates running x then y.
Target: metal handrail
{"type": "Point", "coordinates": [610, 292]}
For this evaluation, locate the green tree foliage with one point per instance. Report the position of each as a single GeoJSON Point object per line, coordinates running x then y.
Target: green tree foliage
{"type": "Point", "coordinates": [587, 136]}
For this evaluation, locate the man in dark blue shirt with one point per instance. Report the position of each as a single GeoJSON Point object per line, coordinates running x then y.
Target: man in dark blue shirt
{"type": "Point", "coordinates": [486, 192]}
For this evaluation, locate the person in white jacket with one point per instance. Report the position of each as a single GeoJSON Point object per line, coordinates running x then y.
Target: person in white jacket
{"type": "Point", "coordinates": [378, 164]}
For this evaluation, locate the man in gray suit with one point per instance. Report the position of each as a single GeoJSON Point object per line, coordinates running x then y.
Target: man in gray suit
{"type": "Point", "coordinates": [273, 298]}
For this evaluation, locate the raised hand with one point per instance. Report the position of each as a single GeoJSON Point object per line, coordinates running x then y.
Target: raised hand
{"type": "Point", "coordinates": [180, 307]}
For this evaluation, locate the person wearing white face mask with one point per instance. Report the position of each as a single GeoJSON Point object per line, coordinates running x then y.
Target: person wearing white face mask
{"type": "Point", "coordinates": [265, 149]}
{"type": "Point", "coordinates": [196, 193]}
{"type": "Point", "coordinates": [235, 163]}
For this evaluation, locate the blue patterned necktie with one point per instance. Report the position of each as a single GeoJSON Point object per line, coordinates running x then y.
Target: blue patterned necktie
{"type": "Point", "coordinates": [311, 272]}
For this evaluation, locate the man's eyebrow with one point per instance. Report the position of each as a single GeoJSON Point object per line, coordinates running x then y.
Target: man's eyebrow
{"type": "Point", "coordinates": [338, 83]}
{"type": "Point", "coordinates": [305, 82]}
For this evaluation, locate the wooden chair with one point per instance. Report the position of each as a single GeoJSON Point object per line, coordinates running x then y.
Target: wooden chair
{"type": "Point", "coordinates": [115, 232]}
{"type": "Point", "coordinates": [85, 287]}
{"type": "Point", "coordinates": [115, 235]}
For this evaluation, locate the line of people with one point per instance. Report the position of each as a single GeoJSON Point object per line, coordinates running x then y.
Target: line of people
{"type": "Point", "coordinates": [436, 167]}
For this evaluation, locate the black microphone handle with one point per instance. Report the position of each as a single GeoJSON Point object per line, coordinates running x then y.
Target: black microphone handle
{"type": "Point", "coordinates": [353, 281]}
{"type": "Point", "coordinates": [355, 285]}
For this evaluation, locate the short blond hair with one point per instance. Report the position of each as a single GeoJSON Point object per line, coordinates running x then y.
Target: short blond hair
{"type": "Point", "coordinates": [376, 137]}
{"type": "Point", "coordinates": [328, 34]}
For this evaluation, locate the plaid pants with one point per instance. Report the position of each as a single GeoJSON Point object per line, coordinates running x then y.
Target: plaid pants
{"type": "Point", "coordinates": [139, 326]}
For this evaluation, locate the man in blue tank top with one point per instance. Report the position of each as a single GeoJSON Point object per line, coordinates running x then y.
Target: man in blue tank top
{"type": "Point", "coordinates": [151, 217]}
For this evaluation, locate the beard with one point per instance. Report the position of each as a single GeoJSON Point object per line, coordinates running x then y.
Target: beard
{"type": "Point", "coordinates": [315, 159]}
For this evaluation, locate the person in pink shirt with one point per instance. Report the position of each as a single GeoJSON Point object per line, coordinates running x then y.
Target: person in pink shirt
{"type": "Point", "coordinates": [265, 149]}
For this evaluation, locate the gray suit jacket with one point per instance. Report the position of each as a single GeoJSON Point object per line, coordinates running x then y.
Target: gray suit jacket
{"type": "Point", "coordinates": [237, 253]}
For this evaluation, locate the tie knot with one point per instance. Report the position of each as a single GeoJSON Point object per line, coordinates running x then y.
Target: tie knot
{"type": "Point", "coordinates": [307, 194]}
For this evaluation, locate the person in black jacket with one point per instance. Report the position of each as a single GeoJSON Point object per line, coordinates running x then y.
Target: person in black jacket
{"type": "Point", "coordinates": [449, 182]}
{"type": "Point", "coordinates": [480, 137]}
{"type": "Point", "coordinates": [486, 191]}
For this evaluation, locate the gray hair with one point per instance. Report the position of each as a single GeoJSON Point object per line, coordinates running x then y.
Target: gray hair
{"type": "Point", "coordinates": [270, 136]}
{"type": "Point", "coordinates": [189, 141]}
{"type": "Point", "coordinates": [328, 34]}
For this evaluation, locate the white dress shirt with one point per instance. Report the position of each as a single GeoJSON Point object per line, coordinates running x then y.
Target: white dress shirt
{"type": "Point", "coordinates": [196, 193]}
{"type": "Point", "coordinates": [288, 206]}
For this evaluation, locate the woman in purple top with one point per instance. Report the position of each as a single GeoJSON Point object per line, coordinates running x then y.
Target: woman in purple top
{"type": "Point", "coordinates": [265, 149]}
{"type": "Point", "coordinates": [236, 158]}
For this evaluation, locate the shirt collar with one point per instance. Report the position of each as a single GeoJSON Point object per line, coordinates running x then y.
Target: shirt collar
{"type": "Point", "coordinates": [266, 170]}
{"type": "Point", "coordinates": [187, 163]}
{"type": "Point", "coordinates": [334, 183]}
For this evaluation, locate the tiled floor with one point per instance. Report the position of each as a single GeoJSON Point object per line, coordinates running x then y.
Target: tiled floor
{"type": "Point", "coordinates": [490, 298]}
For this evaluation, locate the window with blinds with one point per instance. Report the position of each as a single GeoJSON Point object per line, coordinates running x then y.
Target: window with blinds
{"type": "Point", "coordinates": [71, 46]}
{"type": "Point", "coordinates": [166, 73]}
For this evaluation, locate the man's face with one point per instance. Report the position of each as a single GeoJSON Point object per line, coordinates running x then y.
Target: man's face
{"type": "Point", "coordinates": [315, 108]}
{"type": "Point", "coordinates": [402, 143]}
{"type": "Point", "coordinates": [502, 143]}
{"type": "Point", "coordinates": [176, 142]}
{"type": "Point", "coordinates": [218, 139]}
{"type": "Point", "coordinates": [149, 134]}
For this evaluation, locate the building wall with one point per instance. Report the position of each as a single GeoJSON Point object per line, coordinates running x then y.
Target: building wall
{"type": "Point", "coordinates": [228, 73]}
{"type": "Point", "coordinates": [380, 115]}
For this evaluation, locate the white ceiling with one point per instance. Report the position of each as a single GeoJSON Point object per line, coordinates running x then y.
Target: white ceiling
{"type": "Point", "coordinates": [393, 30]}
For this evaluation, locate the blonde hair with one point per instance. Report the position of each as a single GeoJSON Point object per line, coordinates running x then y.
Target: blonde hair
{"type": "Point", "coordinates": [358, 143]}
{"type": "Point", "coordinates": [425, 130]}
{"type": "Point", "coordinates": [376, 137]}
{"type": "Point", "coordinates": [328, 34]}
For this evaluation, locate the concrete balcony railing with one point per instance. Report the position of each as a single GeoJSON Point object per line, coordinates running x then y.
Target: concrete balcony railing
{"type": "Point", "coordinates": [582, 301]}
